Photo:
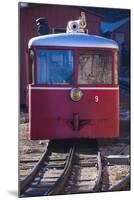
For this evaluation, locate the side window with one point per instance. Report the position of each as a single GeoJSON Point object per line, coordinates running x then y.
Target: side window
{"type": "Point", "coordinates": [31, 66]}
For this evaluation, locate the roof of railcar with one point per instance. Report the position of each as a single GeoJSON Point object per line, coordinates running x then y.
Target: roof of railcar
{"type": "Point", "coordinates": [72, 40]}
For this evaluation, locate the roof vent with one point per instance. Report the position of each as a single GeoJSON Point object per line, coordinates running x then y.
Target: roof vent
{"type": "Point", "coordinates": [77, 26]}
{"type": "Point", "coordinates": [42, 26]}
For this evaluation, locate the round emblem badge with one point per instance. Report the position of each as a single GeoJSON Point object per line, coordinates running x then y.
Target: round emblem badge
{"type": "Point", "coordinates": [76, 94]}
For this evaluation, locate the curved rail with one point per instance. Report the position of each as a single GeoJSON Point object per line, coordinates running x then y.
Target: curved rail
{"type": "Point", "coordinates": [99, 175]}
{"type": "Point", "coordinates": [86, 160]}
{"type": "Point", "coordinates": [59, 184]}
{"type": "Point", "coordinates": [25, 183]}
{"type": "Point", "coordinates": [57, 187]}
{"type": "Point", "coordinates": [121, 184]}
{"type": "Point", "coordinates": [123, 149]}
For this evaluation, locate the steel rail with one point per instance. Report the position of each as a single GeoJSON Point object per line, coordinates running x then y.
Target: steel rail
{"type": "Point", "coordinates": [60, 183]}
{"type": "Point", "coordinates": [25, 183]}
{"type": "Point", "coordinates": [99, 174]}
{"type": "Point", "coordinates": [121, 184]}
{"type": "Point", "coordinates": [123, 149]}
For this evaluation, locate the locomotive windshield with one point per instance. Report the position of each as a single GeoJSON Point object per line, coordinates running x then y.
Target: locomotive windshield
{"type": "Point", "coordinates": [55, 66]}
{"type": "Point", "coordinates": [95, 67]}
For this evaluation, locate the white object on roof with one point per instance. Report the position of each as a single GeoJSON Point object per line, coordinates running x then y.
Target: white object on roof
{"type": "Point", "coordinates": [77, 26]}
{"type": "Point", "coordinates": [74, 27]}
{"type": "Point", "coordinates": [72, 40]}
{"type": "Point", "coordinates": [109, 27]}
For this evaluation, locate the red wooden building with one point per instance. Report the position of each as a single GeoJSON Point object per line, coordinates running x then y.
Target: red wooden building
{"type": "Point", "coordinates": [120, 32]}
{"type": "Point", "coordinates": [58, 16]}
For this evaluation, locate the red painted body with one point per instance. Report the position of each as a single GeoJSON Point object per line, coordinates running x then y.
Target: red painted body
{"type": "Point", "coordinates": [51, 114]}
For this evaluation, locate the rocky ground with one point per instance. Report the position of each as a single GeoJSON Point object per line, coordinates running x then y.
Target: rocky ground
{"type": "Point", "coordinates": [28, 150]}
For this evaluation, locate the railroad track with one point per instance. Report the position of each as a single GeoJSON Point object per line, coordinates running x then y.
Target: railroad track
{"type": "Point", "coordinates": [69, 168]}
{"type": "Point", "coordinates": [54, 171]}
{"type": "Point", "coordinates": [118, 165]}
{"type": "Point", "coordinates": [86, 171]}
{"type": "Point", "coordinates": [48, 174]}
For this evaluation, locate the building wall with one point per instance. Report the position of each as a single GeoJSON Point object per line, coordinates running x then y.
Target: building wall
{"type": "Point", "coordinates": [58, 16]}
{"type": "Point", "coordinates": [123, 30]}
{"type": "Point", "coordinates": [122, 36]}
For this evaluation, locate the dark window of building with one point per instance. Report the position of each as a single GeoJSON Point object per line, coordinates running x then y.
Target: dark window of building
{"type": "Point", "coordinates": [58, 30]}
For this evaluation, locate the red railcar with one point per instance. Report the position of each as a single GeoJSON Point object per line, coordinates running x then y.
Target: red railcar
{"type": "Point", "coordinates": [73, 90]}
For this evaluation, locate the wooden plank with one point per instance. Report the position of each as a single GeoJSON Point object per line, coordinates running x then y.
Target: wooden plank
{"type": "Point", "coordinates": [117, 159]}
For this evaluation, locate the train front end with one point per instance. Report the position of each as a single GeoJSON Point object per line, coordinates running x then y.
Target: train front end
{"type": "Point", "coordinates": [73, 90]}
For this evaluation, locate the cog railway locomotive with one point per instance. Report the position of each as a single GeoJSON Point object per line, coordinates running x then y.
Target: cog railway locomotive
{"type": "Point", "coordinates": [73, 86]}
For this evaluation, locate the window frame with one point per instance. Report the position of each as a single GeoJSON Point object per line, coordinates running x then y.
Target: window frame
{"type": "Point", "coordinates": [31, 69]}
{"type": "Point", "coordinates": [75, 49]}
